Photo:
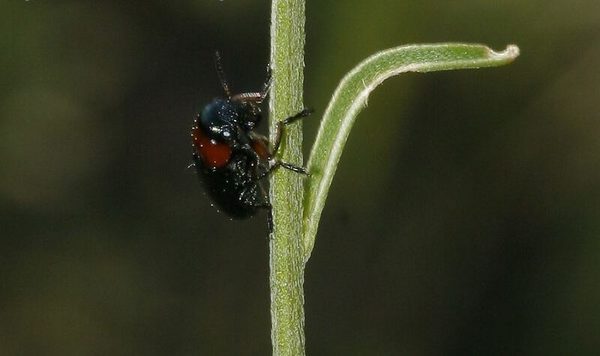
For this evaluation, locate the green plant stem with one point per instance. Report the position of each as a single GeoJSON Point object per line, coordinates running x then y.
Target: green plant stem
{"type": "Point", "coordinates": [286, 188]}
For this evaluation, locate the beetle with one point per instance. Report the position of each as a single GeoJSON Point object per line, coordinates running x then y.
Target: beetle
{"type": "Point", "coordinates": [230, 157]}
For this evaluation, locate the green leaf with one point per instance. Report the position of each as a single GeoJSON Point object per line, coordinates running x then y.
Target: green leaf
{"type": "Point", "coordinates": [351, 96]}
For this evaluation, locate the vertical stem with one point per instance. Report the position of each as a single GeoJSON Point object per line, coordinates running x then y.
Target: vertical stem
{"type": "Point", "coordinates": [286, 189]}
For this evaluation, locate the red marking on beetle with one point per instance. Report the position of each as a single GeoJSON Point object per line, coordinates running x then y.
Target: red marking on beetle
{"type": "Point", "coordinates": [214, 154]}
{"type": "Point", "coordinates": [261, 147]}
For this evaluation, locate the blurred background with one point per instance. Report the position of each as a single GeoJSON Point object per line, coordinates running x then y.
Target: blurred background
{"type": "Point", "coordinates": [464, 218]}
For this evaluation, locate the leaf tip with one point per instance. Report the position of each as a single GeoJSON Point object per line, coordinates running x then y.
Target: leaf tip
{"type": "Point", "coordinates": [510, 53]}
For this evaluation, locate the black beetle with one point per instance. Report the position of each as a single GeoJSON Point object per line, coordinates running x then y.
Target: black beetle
{"type": "Point", "coordinates": [232, 159]}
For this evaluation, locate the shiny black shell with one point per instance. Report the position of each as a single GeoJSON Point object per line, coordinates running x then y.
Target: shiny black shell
{"type": "Point", "coordinates": [230, 159]}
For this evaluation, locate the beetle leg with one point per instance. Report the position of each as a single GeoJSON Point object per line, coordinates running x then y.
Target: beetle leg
{"type": "Point", "coordinates": [266, 205]}
{"type": "Point", "coordinates": [267, 84]}
{"type": "Point", "coordinates": [292, 167]}
{"type": "Point", "coordinates": [256, 97]}
{"type": "Point", "coordinates": [277, 163]}
{"type": "Point", "coordinates": [253, 97]}
{"type": "Point", "coordinates": [281, 125]}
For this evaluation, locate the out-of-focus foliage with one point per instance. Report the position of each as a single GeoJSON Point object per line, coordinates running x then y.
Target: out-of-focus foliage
{"type": "Point", "coordinates": [446, 232]}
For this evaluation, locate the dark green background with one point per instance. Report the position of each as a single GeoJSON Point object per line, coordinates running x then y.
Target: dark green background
{"type": "Point", "coordinates": [464, 218]}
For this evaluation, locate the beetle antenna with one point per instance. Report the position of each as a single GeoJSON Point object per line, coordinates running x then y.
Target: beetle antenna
{"type": "Point", "coordinates": [221, 74]}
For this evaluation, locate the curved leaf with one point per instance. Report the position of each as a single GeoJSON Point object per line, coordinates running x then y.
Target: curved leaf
{"type": "Point", "coordinates": [351, 96]}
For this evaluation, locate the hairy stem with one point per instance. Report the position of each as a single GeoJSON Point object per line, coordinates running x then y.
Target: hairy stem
{"type": "Point", "coordinates": [286, 188]}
